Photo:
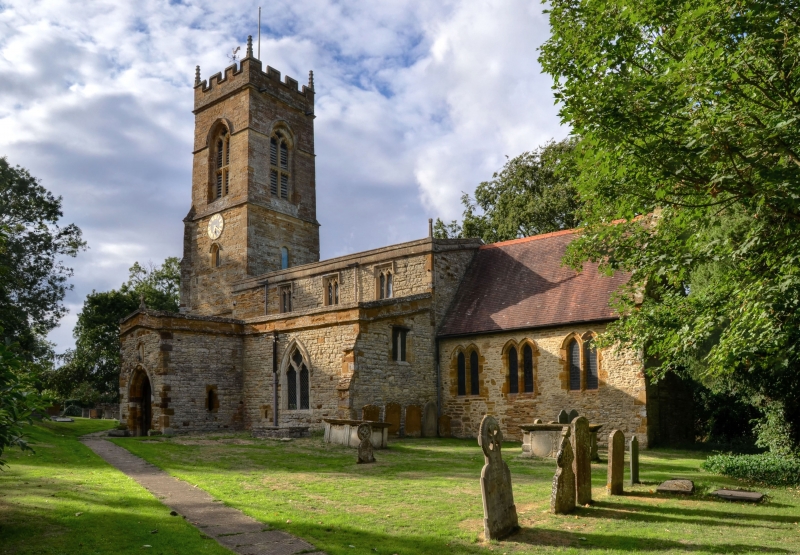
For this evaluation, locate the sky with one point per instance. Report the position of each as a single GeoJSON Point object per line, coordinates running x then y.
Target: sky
{"type": "Point", "coordinates": [416, 103]}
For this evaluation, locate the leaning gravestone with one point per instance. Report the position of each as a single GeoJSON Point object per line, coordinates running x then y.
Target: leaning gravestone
{"type": "Point", "coordinates": [573, 414]}
{"type": "Point", "coordinates": [616, 462]}
{"type": "Point", "coordinates": [635, 461]}
{"type": "Point", "coordinates": [499, 511]}
{"type": "Point", "coordinates": [563, 417]}
{"type": "Point", "coordinates": [365, 454]}
{"type": "Point", "coordinates": [429, 420]}
{"type": "Point", "coordinates": [562, 497]}
{"type": "Point", "coordinates": [582, 465]}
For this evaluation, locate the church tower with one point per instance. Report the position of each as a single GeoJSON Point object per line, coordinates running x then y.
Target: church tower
{"type": "Point", "coordinates": [253, 183]}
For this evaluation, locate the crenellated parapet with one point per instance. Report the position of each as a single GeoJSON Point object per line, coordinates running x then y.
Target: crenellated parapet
{"type": "Point", "coordinates": [249, 72]}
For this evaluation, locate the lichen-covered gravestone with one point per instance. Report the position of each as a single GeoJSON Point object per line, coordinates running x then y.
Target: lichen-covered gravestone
{"type": "Point", "coordinates": [563, 417]}
{"type": "Point", "coordinates": [365, 454]}
{"type": "Point", "coordinates": [581, 441]}
{"type": "Point", "coordinates": [562, 498]}
{"type": "Point", "coordinates": [499, 511]}
{"type": "Point", "coordinates": [634, 461]}
{"type": "Point", "coordinates": [616, 462]}
{"type": "Point", "coordinates": [573, 414]}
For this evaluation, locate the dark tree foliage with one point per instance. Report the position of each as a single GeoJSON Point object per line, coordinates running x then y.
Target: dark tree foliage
{"type": "Point", "coordinates": [532, 194]}
{"type": "Point", "coordinates": [90, 372]}
{"type": "Point", "coordinates": [689, 118]}
{"type": "Point", "coordinates": [34, 277]}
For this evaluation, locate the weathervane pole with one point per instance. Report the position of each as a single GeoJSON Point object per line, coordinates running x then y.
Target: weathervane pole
{"type": "Point", "coordinates": [259, 33]}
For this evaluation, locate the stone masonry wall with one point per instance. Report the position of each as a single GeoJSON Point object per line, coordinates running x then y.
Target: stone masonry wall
{"type": "Point", "coordinates": [620, 401]}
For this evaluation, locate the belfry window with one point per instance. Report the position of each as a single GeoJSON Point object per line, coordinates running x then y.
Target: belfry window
{"type": "Point", "coordinates": [385, 284]}
{"type": "Point", "coordinates": [284, 258]}
{"type": "Point", "coordinates": [215, 257]}
{"type": "Point", "coordinates": [285, 298]}
{"type": "Point", "coordinates": [297, 382]}
{"type": "Point", "coordinates": [222, 155]}
{"type": "Point", "coordinates": [331, 290]}
{"type": "Point", "coordinates": [279, 165]}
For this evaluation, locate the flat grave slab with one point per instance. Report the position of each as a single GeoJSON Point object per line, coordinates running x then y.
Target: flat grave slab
{"type": "Point", "coordinates": [735, 495]}
{"type": "Point", "coordinates": [685, 487]}
{"type": "Point", "coordinates": [61, 419]}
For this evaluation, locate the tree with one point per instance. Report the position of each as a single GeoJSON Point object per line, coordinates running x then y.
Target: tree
{"type": "Point", "coordinates": [34, 278]}
{"type": "Point", "coordinates": [90, 372]}
{"type": "Point", "coordinates": [689, 119]}
{"type": "Point", "coordinates": [532, 194]}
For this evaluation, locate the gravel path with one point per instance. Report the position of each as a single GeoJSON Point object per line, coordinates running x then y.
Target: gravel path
{"type": "Point", "coordinates": [230, 527]}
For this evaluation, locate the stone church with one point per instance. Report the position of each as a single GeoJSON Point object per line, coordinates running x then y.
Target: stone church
{"type": "Point", "coordinates": [269, 335]}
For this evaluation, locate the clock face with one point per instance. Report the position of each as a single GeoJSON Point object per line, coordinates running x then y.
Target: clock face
{"type": "Point", "coordinates": [215, 225]}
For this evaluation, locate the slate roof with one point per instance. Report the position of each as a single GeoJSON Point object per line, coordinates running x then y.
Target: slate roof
{"type": "Point", "coordinates": [522, 284]}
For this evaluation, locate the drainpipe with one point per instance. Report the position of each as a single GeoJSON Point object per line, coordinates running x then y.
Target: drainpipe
{"type": "Point", "coordinates": [275, 378]}
{"type": "Point", "coordinates": [438, 387]}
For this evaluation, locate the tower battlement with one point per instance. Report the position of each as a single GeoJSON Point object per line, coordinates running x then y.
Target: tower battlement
{"type": "Point", "coordinates": [249, 72]}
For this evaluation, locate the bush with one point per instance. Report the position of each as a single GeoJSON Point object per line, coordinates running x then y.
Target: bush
{"type": "Point", "coordinates": [767, 468]}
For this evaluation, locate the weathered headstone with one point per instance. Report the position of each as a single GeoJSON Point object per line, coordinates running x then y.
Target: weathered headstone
{"type": "Point", "coordinates": [581, 441]}
{"type": "Point", "coordinates": [634, 461]}
{"type": "Point", "coordinates": [537, 421]}
{"type": "Point", "coordinates": [499, 511]}
{"type": "Point", "coordinates": [563, 417]}
{"type": "Point", "coordinates": [573, 414]}
{"type": "Point", "coordinates": [393, 418]}
{"type": "Point", "coordinates": [562, 498]}
{"type": "Point", "coordinates": [616, 462]}
{"type": "Point", "coordinates": [365, 454]}
{"type": "Point", "coordinates": [429, 418]}
{"type": "Point", "coordinates": [413, 420]}
{"type": "Point", "coordinates": [685, 487]}
{"type": "Point", "coordinates": [445, 429]}
{"type": "Point", "coordinates": [371, 413]}
{"type": "Point", "coordinates": [737, 495]}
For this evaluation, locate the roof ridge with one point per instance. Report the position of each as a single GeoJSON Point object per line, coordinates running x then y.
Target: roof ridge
{"type": "Point", "coordinates": [526, 239]}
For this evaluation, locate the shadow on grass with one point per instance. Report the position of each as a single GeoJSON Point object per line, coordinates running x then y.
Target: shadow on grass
{"type": "Point", "coordinates": [735, 518]}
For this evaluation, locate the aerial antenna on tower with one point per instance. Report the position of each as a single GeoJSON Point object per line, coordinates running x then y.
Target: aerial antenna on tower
{"type": "Point", "coordinates": [259, 33]}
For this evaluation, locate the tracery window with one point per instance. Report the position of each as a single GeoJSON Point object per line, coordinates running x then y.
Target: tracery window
{"type": "Point", "coordinates": [285, 298]}
{"type": "Point", "coordinates": [279, 165]}
{"type": "Point", "coordinates": [297, 383]}
{"type": "Point", "coordinates": [513, 374]}
{"type": "Point", "coordinates": [574, 361]}
{"type": "Point", "coordinates": [385, 285]}
{"type": "Point", "coordinates": [222, 155]}
{"type": "Point", "coordinates": [331, 290]}
{"type": "Point", "coordinates": [590, 358]}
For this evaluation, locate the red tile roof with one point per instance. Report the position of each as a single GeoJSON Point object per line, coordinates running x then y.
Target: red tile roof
{"type": "Point", "coordinates": [522, 284]}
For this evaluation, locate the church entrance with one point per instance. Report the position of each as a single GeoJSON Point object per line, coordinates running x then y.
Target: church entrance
{"type": "Point", "coordinates": [140, 396]}
{"type": "Point", "coordinates": [146, 412]}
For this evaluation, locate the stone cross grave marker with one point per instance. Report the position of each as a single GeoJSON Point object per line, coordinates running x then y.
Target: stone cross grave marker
{"type": "Point", "coordinates": [634, 461]}
{"type": "Point", "coordinates": [616, 462]}
{"type": "Point", "coordinates": [429, 418]}
{"type": "Point", "coordinates": [573, 414]}
{"type": "Point", "coordinates": [562, 498]}
{"type": "Point", "coordinates": [581, 441]}
{"type": "Point", "coordinates": [499, 511]}
{"type": "Point", "coordinates": [365, 454]}
{"type": "Point", "coordinates": [563, 417]}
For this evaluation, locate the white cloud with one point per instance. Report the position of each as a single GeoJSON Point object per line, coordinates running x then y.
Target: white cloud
{"type": "Point", "coordinates": [416, 102]}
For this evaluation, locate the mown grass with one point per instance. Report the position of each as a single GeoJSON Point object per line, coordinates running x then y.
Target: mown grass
{"type": "Point", "coordinates": [423, 497]}
{"type": "Point", "coordinates": [41, 495]}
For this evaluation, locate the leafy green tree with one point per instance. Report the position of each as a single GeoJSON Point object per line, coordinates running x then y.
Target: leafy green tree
{"type": "Point", "coordinates": [689, 118]}
{"type": "Point", "coordinates": [90, 372]}
{"type": "Point", "coordinates": [532, 194]}
{"type": "Point", "coordinates": [34, 277]}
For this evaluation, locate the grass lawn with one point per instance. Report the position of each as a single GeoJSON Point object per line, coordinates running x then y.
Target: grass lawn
{"type": "Point", "coordinates": [423, 497]}
{"type": "Point", "coordinates": [41, 495]}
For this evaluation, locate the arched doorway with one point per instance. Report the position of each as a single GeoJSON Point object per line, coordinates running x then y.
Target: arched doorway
{"type": "Point", "coordinates": [146, 412]}
{"type": "Point", "coordinates": [140, 396]}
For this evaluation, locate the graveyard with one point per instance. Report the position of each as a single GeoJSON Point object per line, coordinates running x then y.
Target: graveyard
{"type": "Point", "coordinates": [419, 496]}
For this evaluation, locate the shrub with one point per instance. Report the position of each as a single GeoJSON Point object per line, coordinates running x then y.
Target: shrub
{"type": "Point", "coordinates": [768, 468]}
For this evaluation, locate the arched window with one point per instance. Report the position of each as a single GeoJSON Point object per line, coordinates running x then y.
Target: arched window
{"type": "Point", "coordinates": [527, 368]}
{"type": "Point", "coordinates": [385, 287]}
{"type": "Point", "coordinates": [297, 382]}
{"type": "Point", "coordinates": [331, 291]}
{"type": "Point", "coordinates": [215, 258]}
{"type": "Point", "coordinates": [284, 258]}
{"type": "Point", "coordinates": [574, 361]}
{"type": "Point", "coordinates": [513, 374]}
{"type": "Point", "coordinates": [462, 374]}
{"type": "Point", "coordinates": [473, 373]}
{"type": "Point", "coordinates": [279, 165]}
{"type": "Point", "coordinates": [590, 356]}
{"type": "Point", "coordinates": [222, 155]}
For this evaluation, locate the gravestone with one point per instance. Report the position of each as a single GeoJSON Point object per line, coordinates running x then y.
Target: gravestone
{"type": "Point", "coordinates": [685, 487]}
{"type": "Point", "coordinates": [634, 461]}
{"type": "Point", "coordinates": [616, 462]}
{"type": "Point", "coordinates": [573, 414]}
{"type": "Point", "coordinates": [582, 465]}
{"type": "Point", "coordinates": [737, 495]}
{"type": "Point", "coordinates": [413, 420]}
{"type": "Point", "coordinates": [371, 413]}
{"type": "Point", "coordinates": [499, 511]}
{"type": "Point", "coordinates": [445, 429]}
{"type": "Point", "coordinates": [429, 424]}
{"type": "Point", "coordinates": [365, 454]}
{"type": "Point", "coordinates": [563, 417]}
{"type": "Point", "coordinates": [393, 418]}
{"type": "Point", "coordinates": [562, 497]}
{"type": "Point", "coordinates": [537, 421]}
